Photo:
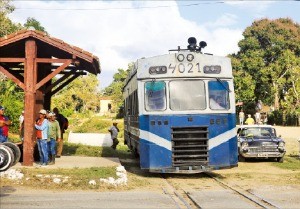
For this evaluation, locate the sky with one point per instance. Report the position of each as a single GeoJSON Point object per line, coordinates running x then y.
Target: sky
{"type": "Point", "coordinates": [120, 32]}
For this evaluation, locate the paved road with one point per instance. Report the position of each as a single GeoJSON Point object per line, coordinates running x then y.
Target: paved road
{"type": "Point", "coordinates": [12, 198]}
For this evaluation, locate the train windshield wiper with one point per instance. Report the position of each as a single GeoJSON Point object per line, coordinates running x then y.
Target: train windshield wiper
{"type": "Point", "coordinates": [225, 87]}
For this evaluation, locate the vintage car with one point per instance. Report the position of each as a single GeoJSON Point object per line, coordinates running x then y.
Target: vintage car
{"type": "Point", "coordinates": [260, 142]}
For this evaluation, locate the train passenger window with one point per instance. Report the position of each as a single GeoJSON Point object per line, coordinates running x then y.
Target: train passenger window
{"type": "Point", "coordinates": [155, 96]}
{"type": "Point", "coordinates": [187, 95]}
{"type": "Point", "coordinates": [218, 95]}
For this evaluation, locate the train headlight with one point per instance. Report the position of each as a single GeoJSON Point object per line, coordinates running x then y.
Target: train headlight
{"type": "Point", "coordinates": [158, 70]}
{"type": "Point", "coordinates": [245, 146]}
{"type": "Point", "coordinates": [281, 147]}
{"type": "Point", "coordinates": [212, 69]}
{"type": "Point", "coordinates": [180, 57]}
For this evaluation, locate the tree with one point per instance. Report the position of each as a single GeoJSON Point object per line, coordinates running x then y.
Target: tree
{"type": "Point", "coordinates": [6, 25]}
{"type": "Point", "coordinates": [267, 64]}
{"type": "Point", "coordinates": [31, 22]}
{"type": "Point", "coordinates": [81, 95]}
{"type": "Point", "coordinates": [115, 88]}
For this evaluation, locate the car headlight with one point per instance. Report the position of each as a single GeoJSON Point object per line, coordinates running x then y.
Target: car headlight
{"type": "Point", "coordinates": [281, 146]}
{"type": "Point", "coordinates": [245, 146]}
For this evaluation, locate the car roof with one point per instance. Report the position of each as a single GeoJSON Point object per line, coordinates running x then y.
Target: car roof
{"type": "Point", "coordinates": [256, 126]}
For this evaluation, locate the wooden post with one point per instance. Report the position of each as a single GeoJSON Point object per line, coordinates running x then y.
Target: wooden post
{"type": "Point", "coordinates": [30, 79]}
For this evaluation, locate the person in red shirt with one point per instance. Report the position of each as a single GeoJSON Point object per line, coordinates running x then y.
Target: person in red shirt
{"type": "Point", "coordinates": [5, 122]}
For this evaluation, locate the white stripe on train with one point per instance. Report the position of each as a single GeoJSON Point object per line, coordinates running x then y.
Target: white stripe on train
{"type": "Point", "coordinates": [213, 142]}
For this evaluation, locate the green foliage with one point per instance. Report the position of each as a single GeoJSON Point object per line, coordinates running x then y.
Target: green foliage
{"type": "Point", "coordinates": [116, 87]}
{"type": "Point", "coordinates": [280, 117]}
{"type": "Point", "coordinates": [81, 95]}
{"type": "Point", "coordinates": [93, 125]}
{"type": "Point", "coordinates": [6, 25]}
{"type": "Point", "coordinates": [31, 22]}
{"type": "Point", "coordinates": [267, 66]}
{"type": "Point", "coordinates": [6, 7]}
{"type": "Point", "coordinates": [11, 97]}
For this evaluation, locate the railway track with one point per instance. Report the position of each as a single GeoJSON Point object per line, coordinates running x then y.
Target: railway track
{"type": "Point", "coordinates": [189, 199]}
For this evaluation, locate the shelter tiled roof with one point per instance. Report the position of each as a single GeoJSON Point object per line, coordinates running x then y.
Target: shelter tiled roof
{"type": "Point", "coordinates": [48, 46]}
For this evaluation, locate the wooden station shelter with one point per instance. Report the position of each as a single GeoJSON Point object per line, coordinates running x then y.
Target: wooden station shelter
{"type": "Point", "coordinates": [31, 59]}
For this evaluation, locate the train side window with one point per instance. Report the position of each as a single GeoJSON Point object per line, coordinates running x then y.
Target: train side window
{"type": "Point", "coordinates": [155, 96]}
{"type": "Point", "coordinates": [218, 95]}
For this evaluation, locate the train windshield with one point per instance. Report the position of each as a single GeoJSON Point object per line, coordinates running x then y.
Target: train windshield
{"type": "Point", "coordinates": [155, 96]}
{"type": "Point", "coordinates": [218, 95]}
{"type": "Point", "coordinates": [187, 95]}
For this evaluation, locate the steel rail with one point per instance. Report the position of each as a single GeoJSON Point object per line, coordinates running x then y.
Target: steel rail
{"type": "Point", "coordinates": [261, 202]}
{"type": "Point", "coordinates": [179, 200]}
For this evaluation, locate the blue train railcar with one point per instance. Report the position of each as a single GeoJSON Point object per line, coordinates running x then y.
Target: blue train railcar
{"type": "Point", "coordinates": [180, 112]}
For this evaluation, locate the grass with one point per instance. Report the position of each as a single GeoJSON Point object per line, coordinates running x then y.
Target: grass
{"type": "Point", "coordinates": [70, 179]}
{"type": "Point", "coordinates": [291, 162]}
{"type": "Point", "coordinates": [291, 158]}
{"type": "Point", "coordinates": [79, 178]}
{"type": "Point", "coordinates": [71, 149]}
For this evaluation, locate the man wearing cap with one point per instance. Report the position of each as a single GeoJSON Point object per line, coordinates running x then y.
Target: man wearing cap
{"type": "Point", "coordinates": [114, 134]}
{"type": "Point", "coordinates": [42, 127]}
{"type": "Point", "coordinates": [4, 123]}
{"type": "Point", "coordinates": [54, 135]}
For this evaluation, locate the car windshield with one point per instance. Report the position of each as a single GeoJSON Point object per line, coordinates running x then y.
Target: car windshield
{"type": "Point", "coordinates": [258, 132]}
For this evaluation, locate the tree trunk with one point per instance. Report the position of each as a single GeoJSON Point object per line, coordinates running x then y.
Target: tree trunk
{"type": "Point", "coordinates": [276, 96]}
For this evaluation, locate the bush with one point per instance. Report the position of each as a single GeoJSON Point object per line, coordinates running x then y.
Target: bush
{"type": "Point", "coordinates": [279, 118]}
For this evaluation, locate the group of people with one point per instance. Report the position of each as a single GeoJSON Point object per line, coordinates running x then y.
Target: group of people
{"type": "Point", "coordinates": [250, 120]}
{"type": "Point", "coordinates": [49, 127]}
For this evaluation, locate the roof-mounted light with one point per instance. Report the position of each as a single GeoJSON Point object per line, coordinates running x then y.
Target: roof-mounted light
{"type": "Point", "coordinates": [157, 70]}
{"type": "Point", "coordinates": [193, 44]}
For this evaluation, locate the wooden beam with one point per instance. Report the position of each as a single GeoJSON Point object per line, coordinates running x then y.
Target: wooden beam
{"type": "Point", "coordinates": [60, 80]}
{"type": "Point", "coordinates": [63, 85]}
{"type": "Point", "coordinates": [49, 60]}
{"type": "Point", "coordinates": [54, 73]}
{"type": "Point", "coordinates": [12, 77]}
{"type": "Point", "coordinates": [12, 59]}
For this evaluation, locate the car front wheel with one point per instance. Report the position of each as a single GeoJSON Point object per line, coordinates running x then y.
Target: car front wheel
{"type": "Point", "coordinates": [242, 159]}
{"type": "Point", "coordinates": [280, 159]}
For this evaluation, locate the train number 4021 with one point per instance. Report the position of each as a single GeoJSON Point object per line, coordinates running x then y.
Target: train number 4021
{"type": "Point", "coordinates": [185, 68]}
